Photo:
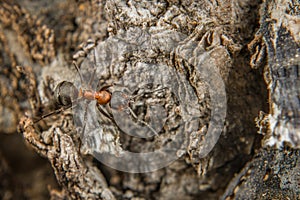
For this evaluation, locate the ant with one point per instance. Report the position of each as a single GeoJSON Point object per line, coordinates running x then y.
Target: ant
{"type": "Point", "coordinates": [65, 92]}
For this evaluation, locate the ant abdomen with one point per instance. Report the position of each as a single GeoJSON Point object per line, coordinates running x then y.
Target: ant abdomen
{"type": "Point", "coordinates": [65, 93]}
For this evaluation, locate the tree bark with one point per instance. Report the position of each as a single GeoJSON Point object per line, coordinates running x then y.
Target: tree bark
{"type": "Point", "coordinates": [179, 55]}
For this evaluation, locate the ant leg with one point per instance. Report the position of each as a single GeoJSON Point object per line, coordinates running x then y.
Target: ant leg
{"type": "Point", "coordinates": [105, 87]}
{"type": "Point", "coordinates": [84, 119]}
{"type": "Point", "coordinates": [94, 72]}
{"type": "Point", "coordinates": [141, 121]}
{"type": "Point", "coordinates": [78, 71]}
{"type": "Point", "coordinates": [134, 115]}
{"type": "Point", "coordinates": [81, 77]}
{"type": "Point", "coordinates": [92, 79]}
{"type": "Point", "coordinates": [109, 116]}
{"type": "Point", "coordinates": [52, 113]}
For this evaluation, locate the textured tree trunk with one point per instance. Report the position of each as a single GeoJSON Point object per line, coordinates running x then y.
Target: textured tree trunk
{"type": "Point", "coordinates": [273, 173]}
{"type": "Point", "coordinates": [201, 78]}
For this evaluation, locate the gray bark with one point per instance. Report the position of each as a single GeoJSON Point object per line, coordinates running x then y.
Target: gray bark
{"type": "Point", "coordinates": [136, 48]}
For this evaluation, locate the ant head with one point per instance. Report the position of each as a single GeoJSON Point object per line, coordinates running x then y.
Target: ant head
{"type": "Point", "coordinates": [64, 93]}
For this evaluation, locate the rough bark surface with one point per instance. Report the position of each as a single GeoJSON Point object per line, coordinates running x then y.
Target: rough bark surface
{"type": "Point", "coordinates": [128, 46]}
{"type": "Point", "coordinates": [277, 41]}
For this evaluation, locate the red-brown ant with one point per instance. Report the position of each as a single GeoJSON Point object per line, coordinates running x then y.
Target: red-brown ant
{"type": "Point", "coordinates": [65, 92]}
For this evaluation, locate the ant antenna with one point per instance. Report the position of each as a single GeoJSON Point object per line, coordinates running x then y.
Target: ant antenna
{"type": "Point", "coordinates": [78, 71]}
{"type": "Point", "coordinates": [52, 113]}
{"type": "Point", "coordinates": [93, 75]}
